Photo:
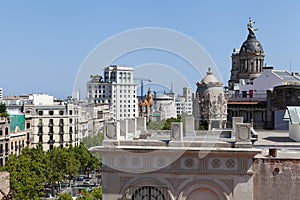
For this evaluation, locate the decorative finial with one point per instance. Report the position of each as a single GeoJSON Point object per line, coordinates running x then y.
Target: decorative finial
{"type": "Point", "coordinates": [250, 27]}
{"type": "Point", "coordinates": [209, 72]}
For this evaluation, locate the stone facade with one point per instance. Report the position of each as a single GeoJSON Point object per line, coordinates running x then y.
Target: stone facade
{"type": "Point", "coordinates": [182, 163]}
{"type": "Point", "coordinates": [210, 104]}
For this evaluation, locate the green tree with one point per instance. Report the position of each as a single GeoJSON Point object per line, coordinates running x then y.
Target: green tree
{"type": "Point", "coordinates": [86, 159]}
{"type": "Point", "coordinates": [3, 112]}
{"type": "Point", "coordinates": [64, 196]}
{"type": "Point", "coordinates": [34, 168]}
{"type": "Point", "coordinates": [2, 107]}
{"type": "Point", "coordinates": [167, 124]}
{"type": "Point", "coordinates": [97, 193]}
{"type": "Point", "coordinates": [63, 164]}
{"type": "Point", "coordinates": [27, 174]}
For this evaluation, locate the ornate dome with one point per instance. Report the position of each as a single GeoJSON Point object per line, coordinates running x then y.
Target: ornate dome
{"type": "Point", "coordinates": [209, 78]}
{"type": "Point", "coordinates": [209, 84]}
{"type": "Point", "coordinates": [251, 45]}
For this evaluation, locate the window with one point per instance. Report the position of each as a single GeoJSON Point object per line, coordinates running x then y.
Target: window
{"type": "Point", "coordinates": [70, 112]}
{"type": "Point", "coordinates": [6, 148]}
{"type": "Point", "coordinates": [6, 131]}
{"type": "Point", "coordinates": [1, 132]}
{"type": "Point", "coordinates": [61, 112]}
{"type": "Point", "coordinates": [40, 130]}
{"type": "Point", "coordinates": [51, 112]}
{"type": "Point", "coordinates": [40, 113]}
{"type": "Point", "coordinates": [40, 139]}
{"type": "Point", "coordinates": [28, 125]}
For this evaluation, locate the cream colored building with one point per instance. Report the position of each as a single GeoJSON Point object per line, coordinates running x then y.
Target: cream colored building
{"type": "Point", "coordinates": [91, 118]}
{"type": "Point", "coordinates": [52, 123]}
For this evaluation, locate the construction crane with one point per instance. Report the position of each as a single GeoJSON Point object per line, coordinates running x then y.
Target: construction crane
{"type": "Point", "coordinates": [142, 85]}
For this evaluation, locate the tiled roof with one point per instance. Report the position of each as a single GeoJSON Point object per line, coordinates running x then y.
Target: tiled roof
{"type": "Point", "coordinates": [286, 76]}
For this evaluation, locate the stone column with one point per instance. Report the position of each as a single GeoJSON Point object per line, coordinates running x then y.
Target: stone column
{"type": "Point", "coordinates": [176, 131]}
{"type": "Point", "coordinates": [235, 120]}
{"type": "Point", "coordinates": [243, 135]}
{"type": "Point", "coordinates": [189, 127]}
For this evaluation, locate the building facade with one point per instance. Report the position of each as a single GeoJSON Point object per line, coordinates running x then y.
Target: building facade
{"type": "Point", "coordinates": [51, 123]}
{"type": "Point", "coordinates": [115, 87]}
{"type": "Point", "coordinates": [184, 102]}
{"type": "Point", "coordinates": [164, 106]}
{"type": "Point", "coordinates": [12, 135]}
{"type": "Point", "coordinates": [91, 118]}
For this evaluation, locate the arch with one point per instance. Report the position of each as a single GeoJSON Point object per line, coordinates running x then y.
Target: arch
{"type": "Point", "coordinates": [205, 188]}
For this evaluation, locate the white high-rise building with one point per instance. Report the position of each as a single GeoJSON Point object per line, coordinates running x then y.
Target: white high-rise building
{"type": "Point", "coordinates": [184, 102]}
{"type": "Point", "coordinates": [117, 89]}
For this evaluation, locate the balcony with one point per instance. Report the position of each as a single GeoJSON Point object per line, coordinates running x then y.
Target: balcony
{"type": "Point", "coordinates": [61, 133]}
{"type": "Point", "coordinates": [40, 134]}
{"type": "Point", "coordinates": [6, 153]}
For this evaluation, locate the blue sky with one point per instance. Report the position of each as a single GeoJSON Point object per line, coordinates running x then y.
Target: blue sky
{"type": "Point", "coordinates": [43, 43]}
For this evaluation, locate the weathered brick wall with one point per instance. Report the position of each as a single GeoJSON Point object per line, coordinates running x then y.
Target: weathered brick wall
{"type": "Point", "coordinates": [4, 183]}
{"type": "Point", "coordinates": [276, 179]}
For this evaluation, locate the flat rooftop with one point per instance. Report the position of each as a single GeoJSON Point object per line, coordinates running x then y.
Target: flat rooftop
{"type": "Point", "coordinates": [279, 140]}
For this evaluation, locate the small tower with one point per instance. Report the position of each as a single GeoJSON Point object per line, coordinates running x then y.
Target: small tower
{"type": "Point", "coordinates": [145, 108]}
{"type": "Point", "coordinates": [210, 104]}
{"type": "Point", "coordinates": [248, 61]}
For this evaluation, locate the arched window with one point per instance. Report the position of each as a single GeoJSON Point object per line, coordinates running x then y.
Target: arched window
{"type": "Point", "coordinates": [149, 193]}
